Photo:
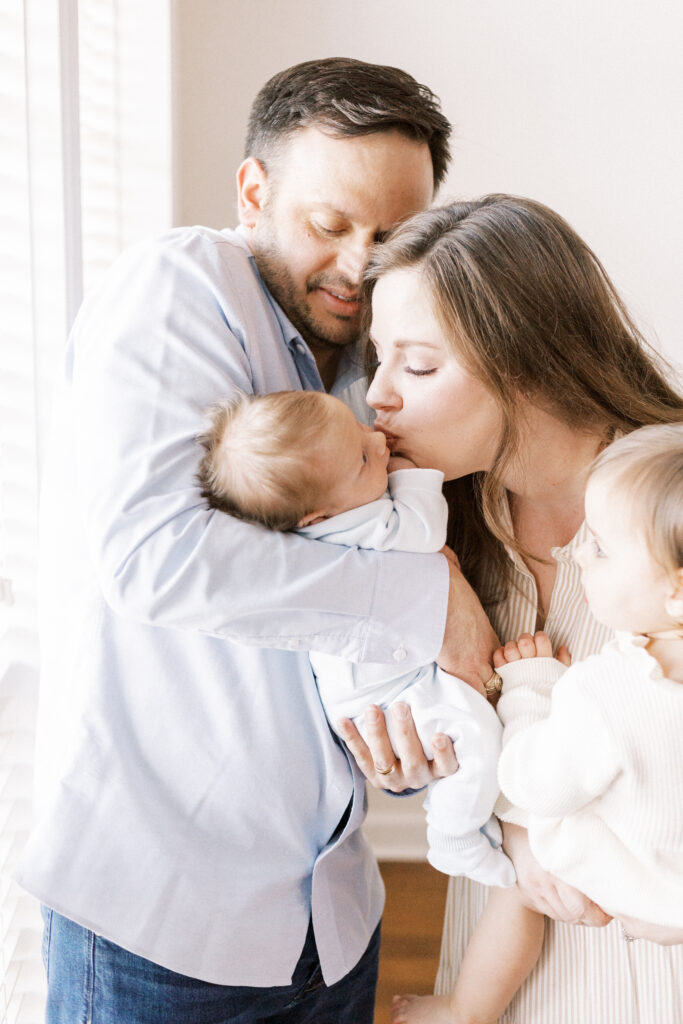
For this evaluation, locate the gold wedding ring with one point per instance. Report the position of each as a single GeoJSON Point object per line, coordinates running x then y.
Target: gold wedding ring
{"type": "Point", "coordinates": [493, 685]}
{"type": "Point", "coordinates": [385, 771]}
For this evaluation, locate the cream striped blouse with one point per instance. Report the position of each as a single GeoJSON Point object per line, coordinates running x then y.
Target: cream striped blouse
{"type": "Point", "coordinates": [584, 975]}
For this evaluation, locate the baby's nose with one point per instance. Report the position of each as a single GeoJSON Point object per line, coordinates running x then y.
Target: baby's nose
{"type": "Point", "coordinates": [380, 440]}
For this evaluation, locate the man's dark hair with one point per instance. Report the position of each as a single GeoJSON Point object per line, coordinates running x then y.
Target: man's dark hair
{"type": "Point", "coordinates": [347, 97]}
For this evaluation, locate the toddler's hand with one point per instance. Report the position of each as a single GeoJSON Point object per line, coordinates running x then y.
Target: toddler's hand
{"type": "Point", "coordinates": [528, 646]}
{"type": "Point", "coordinates": [400, 462]}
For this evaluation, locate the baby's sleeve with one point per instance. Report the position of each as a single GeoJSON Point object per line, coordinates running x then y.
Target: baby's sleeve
{"type": "Point", "coordinates": [557, 765]}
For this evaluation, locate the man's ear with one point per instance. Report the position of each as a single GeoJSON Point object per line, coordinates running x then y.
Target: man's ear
{"type": "Point", "coordinates": [252, 186]}
{"type": "Point", "coordinates": [313, 517]}
{"type": "Point", "coordinates": [674, 602]}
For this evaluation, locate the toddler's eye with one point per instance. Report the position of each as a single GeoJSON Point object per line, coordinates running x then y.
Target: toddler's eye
{"type": "Point", "coordinates": [365, 457]}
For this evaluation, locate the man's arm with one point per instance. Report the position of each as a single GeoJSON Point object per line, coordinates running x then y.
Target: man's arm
{"type": "Point", "coordinates": [153, 348]}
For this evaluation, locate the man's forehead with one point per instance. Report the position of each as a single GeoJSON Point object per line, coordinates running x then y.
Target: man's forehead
{"type": "Point", "coordinates": [366, 175]}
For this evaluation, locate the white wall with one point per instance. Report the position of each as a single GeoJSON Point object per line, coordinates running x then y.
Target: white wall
{"type": "Point", "coordinates": [576, 103]}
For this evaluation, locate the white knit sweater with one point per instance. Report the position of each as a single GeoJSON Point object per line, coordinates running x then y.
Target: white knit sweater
{"type": "Point", "coordinates": [600, 778]}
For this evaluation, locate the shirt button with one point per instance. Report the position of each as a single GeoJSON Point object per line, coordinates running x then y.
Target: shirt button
{"type": "Point", "coordinates": [400, 654]}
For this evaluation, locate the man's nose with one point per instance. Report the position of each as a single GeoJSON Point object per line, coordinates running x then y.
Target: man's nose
{"type": "Point", "coordinates": [351, 259]}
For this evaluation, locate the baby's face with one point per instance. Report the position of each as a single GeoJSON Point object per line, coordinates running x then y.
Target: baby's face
{"type": "Point", "coordinates": [625, 588]}
{"type": "Point", "coordinates": [355, 458]}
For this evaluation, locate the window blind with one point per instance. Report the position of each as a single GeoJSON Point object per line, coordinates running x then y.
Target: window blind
{"type": "Point", "coordinates": [85, 170]}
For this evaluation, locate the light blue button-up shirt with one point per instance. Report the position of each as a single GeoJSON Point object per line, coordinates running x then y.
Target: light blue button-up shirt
{"type": "Point", "coordinates": [189, 785]}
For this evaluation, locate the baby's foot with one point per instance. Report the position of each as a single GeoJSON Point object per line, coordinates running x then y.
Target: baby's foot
{"type": "Point", "coordinates": [421, 1010]}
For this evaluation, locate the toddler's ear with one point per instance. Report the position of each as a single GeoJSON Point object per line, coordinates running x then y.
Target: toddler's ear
{"type": "Point", "coordinates": [674, 602]}
{"type": "Point", "coordinates": [312, 517]}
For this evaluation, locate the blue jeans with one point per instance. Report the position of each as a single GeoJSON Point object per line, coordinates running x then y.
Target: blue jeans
{"type": "Point", "coordinates": [93, 981]}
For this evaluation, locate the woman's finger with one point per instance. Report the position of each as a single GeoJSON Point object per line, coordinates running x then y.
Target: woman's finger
{"type": "Point", "coordinates": [499, 658]}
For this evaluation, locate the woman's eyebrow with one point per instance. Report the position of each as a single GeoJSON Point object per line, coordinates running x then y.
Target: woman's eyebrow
{"type": "Point", "coordinates": [408, 344]}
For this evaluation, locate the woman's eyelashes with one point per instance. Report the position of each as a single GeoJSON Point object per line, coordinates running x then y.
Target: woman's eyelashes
{"type": "Point", "coordinates": [595, 549]}
{"type": "Point", "coordinates": [420, 373]}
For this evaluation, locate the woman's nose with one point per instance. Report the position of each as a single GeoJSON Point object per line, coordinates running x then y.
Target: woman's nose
{"type": "Point", "coordinates": [381, 393]}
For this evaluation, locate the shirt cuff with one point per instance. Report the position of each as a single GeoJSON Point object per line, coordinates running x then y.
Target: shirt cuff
{"type": "Point", "coordinates": [408, 612]}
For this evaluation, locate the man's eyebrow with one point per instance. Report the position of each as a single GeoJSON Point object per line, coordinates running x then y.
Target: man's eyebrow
{"type": "Point", "coordinates": [330, 208]}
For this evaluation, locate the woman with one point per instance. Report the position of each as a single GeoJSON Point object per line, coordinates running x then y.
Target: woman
{"type": "Point", "coordinates": [506, 359]}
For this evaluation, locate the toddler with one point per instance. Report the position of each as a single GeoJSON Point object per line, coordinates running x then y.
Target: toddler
{"type": "Point", "coordinates": [600, 773]}
{"type": "Point", "coordinates": [301, 461]}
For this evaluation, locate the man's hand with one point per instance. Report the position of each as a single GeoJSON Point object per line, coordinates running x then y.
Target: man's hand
{"type": "Point", "coordinates": [469, 640]}
{"type": "Point", "coordinates": [409, 767]}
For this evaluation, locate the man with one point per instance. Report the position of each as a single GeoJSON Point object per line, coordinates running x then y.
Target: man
{"type": "Point", "coordinates": [198, 837]}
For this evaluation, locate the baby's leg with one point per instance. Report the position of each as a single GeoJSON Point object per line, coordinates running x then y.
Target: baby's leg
{"type": "Point", "coordinates": [463, 837]}
{"type": "Point", "coordinates": [502, 951]}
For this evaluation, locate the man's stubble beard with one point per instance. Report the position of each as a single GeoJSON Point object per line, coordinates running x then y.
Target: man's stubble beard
{"type": "Point", "coordinates": [273, 268]}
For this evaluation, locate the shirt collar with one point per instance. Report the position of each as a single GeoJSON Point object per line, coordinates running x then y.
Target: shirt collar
{"type": "Point", "coordinates": [351, 364]}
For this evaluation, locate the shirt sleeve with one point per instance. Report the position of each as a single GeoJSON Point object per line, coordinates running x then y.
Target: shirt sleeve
{"type": "Point", "coordinates": [158, 342]}
{"type": "Point", "coordinates": [556, 766]}
{"type": "Point", "coordinates": [412, 516]}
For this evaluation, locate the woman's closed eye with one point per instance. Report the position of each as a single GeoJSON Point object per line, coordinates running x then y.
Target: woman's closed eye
{"type": "Point", "coordinates": [595, 550]}
{"type": "Point", "coordinates": [420, 373]}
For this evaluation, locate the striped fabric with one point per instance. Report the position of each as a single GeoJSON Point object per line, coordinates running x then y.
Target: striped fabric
{"type": "Point", "coordinates": [584, 975]}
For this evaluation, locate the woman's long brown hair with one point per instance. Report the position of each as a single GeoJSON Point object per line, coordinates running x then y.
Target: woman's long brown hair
{"type": "Point", "coordinates": [528, 308]}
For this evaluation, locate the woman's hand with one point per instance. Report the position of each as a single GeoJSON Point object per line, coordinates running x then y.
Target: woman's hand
{"type": "Point", "coordinates": [652, 932]}
{"type": "Point", "coordinates": [469, 639]}
{"type": "Point", "coordinates": [408, 766]}
{"type": "Point", "coordinates": [542, 891]}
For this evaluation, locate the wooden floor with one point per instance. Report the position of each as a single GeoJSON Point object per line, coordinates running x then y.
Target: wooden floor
{"type": "Point", "coordinates": [411, 931]}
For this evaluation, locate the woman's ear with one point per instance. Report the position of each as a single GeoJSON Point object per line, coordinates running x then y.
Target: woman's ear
{"type": "Point", "coordinates": [312, 518]}
{"type": "Point", "coordinates": [252, 186]}
{"type": "Point", "coordinates": [674, 602]}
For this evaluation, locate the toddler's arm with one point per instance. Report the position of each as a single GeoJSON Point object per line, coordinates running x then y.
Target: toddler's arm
{"type": "Point", "coordinates": [554, 766]}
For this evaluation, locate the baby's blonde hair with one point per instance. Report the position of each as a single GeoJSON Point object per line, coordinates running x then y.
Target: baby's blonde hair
{"type": "Point", "coordinates": [646, 469]}
{"type": "Point", "coordinates": [260, 457]}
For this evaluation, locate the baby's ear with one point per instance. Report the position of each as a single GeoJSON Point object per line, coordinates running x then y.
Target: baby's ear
{"type": "Point", "coordinates": [312, 517]}
{"type": "Point", "coordinates": [674, 602]}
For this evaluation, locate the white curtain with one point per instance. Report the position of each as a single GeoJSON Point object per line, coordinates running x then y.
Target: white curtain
{"type": "Point", "coordinates": [85, 154]}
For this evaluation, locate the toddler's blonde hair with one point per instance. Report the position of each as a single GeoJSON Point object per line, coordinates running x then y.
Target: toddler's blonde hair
{"type": "Point", "coordinates": [646, 468]}
{"type": "Point", "coordinates": [260, 461]}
